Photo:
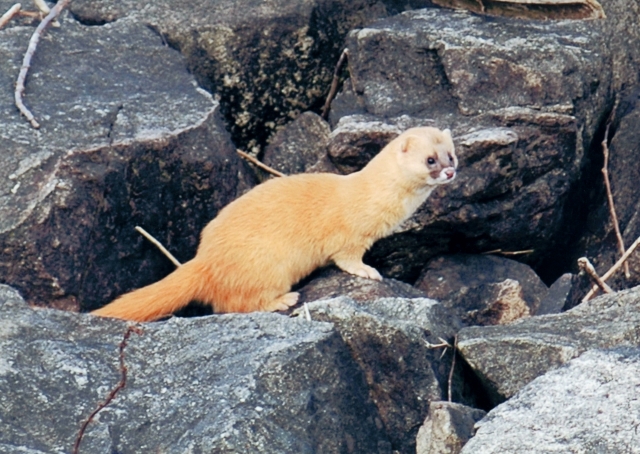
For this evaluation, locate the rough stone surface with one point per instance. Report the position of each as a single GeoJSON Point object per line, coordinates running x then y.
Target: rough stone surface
{"type": "Point", "coordinates": [331, 282]}
{"type": "Point", "coordinates": [590, 405]}
{"type": "Point", "coordinates": [506, 358]}
{"type": "Point", "coordinates": [483, 289]}
{"type": "Point", "coordinates": [388, 338]}
{"type": "Point", "coordinates": [525, 100]}
{"type": "Point", "coordinates": [268, 60]}
{"type": "Point", "coordinates": [447, 428]}
{"type": "Point", "coordinates": [301, 146]}
{"type": "Point", "coordinates": [558, 295]}
{"type": "Point", "coordinates": [227, 383]}
{"type": "Point", "coordinates": [126, 139]}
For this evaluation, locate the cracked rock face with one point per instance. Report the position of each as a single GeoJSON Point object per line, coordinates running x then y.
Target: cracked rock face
{"type": "Point", "coordinates": [588, 405]}
{"type": "Point", "coordinates": [507, 358]}
{"type": "Point", "coordinates": [268, 61]}
{"type": "Point", "coordinates": [524, 99]}
{"type": "Point", "coordinates": [127, 139]}
{"type": "Point", "coordinates": [389, 339]}
{"type": "Point", "coordinates": [230, 383]}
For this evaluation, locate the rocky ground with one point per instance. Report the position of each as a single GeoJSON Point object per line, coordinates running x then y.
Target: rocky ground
{"type": "Point", "coordinates": [142, 108]}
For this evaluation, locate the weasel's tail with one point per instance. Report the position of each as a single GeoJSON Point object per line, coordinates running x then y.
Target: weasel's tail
{"type": "Point", "coordinates": [159, 299]}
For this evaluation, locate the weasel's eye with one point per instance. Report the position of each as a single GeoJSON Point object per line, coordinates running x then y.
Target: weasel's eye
{"type": "Point", "coordinates": [450, 158]}
{"type": "Point", "coordinates": [431, 161]}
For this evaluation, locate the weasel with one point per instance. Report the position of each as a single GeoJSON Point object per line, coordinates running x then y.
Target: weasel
{"type": "Point", "coordinates": [280, 231]}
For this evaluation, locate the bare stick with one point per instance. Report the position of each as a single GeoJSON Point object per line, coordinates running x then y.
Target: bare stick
{"type": "Point", "coordinates": [453, 365]}
{"type": "Point", "coordinates": [613, 269]}
{"type": "Point", "coordinates": [6, 17]}
{"type": "Point", "coordinates": [253, 160]}
{"type": "Point", "coordinates": [159, 245]}
{"type": "Point", "coordinates": [509, 253]}
{"type": "Point", "coordinates": [26, 63]}
{"type": "Point", "coordinates": [443, 343]}
{"type": "Point", "coordinates": [334, 83]}
{"type": "Point", "coordinates": [307, 314]}
{"type": "Point", "coordinates": [121, 384]}
{"type": "Point", "coordinates": [588, 268]}
{"type": "Point", "coordinates": [607, 185]}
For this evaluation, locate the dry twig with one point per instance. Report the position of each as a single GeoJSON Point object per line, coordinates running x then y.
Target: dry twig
{"type": "Point", "coordinates": [334, 83]}
{"type": "Point", "coordinates": [453, 365]}
{"type": "Point", "coordinates": [6, 17]}
{"type": "Point", "coordinates": [613, 269]}
{"type": "Point", "coordinates": [607, 185]}
{"type": "Point", "coordinates": [585, 265]}
{"type": "Point", "coordinates": [159, 245]}
{"type": "Point", "coordinates": [253, 160]}
{"type": "Point", "coordinates": [26, 63]}
{"type": "Point", "coordinates": [509, 253]}
{"type": "Point", "coordinates": [307, 314]}
{"type": "Point", "coordinates": [121, 384]}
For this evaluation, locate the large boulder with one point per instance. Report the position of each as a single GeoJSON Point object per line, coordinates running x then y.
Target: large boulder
{"type": "Point", "coordinates": [392, 339]}
{"type": "Point", "coordinates": [526, 101]}
{"type": "Point", "coordinates": [590, 405]}
{"type": "Point", "coordinates": [268, 61]}
{"type": "Point", "coordinates": [224, 383]}
{"type": "Point", "coordinates": [506, 358]}
{"type": "Point", "coordinates": [126, 139]}
{"type": "Point", "coordinates": [483, 289]}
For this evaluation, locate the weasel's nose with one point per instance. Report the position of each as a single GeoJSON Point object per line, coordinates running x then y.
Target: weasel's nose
{"type": "Point", "coordinates": [450, 173]}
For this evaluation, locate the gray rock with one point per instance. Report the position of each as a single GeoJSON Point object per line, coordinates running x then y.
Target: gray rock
{"type": "Point", "coordinates": [268, 61]}
{"type": "Point", "coordinates": [229, 383]}
{"type": "Point", "coordinates": [331, 283]}
{"type": "Point", "coordinates": [483, 289]}
{"type": "Point", "coordinates": [300, 146]}
{"type": "Point", "coordinates": [506, 358]}
{"type": "Point", "coordinates": [127, 139]}
{"type": "Point", "coordinates": [524, 112]}
{"type": "Point", "coordinates": [389, 339]}
{"type": "Point", "coordinates": [558, 295]}
{"type": "Point", "coordinates": [589, 405]}
{"type": "Point", "coordinates": [447, 428]}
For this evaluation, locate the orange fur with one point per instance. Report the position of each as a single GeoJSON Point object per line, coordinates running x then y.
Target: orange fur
{"type": "Point", "coordinates": [267, 240]}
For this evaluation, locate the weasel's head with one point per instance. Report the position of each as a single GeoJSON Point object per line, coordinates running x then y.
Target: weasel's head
{"type": "Point", "coordinates": [427, 155]}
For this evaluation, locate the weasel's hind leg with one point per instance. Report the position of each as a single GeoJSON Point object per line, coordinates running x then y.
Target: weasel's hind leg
{"type": "Point", "coordinates": [283, 302]}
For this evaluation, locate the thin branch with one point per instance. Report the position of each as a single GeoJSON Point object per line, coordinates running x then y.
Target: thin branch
{"type": "Point", "coordinates": [121, 384]}
{"type": "Point", "coordinates": [443, 343]}
{"type": "Point", "coordinates": [159, 245]}
{"type": "Point", "coordinates": [6, 17]}
{"type": "Point", "coordinates": [307, 314]}
{"type": "Point", "coordinates": [613, 269]}
{"type": "Point", "coordinates": [26, 63]}
{"type": "Point", "coordinates": [509, 253]}
{"type": "Point", "coordinates": [334, 83]}
{"type": "Point", "coordinates": [607, 185]}
{"type": "Point", "coordinates": [585, 265]}
{"type": "Point", "coordinates": [453, 365]}
{"type": "Point", "coordinates": [253, 160]}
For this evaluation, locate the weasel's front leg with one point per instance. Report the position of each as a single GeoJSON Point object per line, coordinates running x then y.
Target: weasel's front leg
{"type": "Point", "coordinates": [353, 264]}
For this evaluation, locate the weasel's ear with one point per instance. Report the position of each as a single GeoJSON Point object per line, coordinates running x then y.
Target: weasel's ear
{"type": "Point", "coordinates": [447, 132]}
{"type": "Point", "coordinates": [406, 144]}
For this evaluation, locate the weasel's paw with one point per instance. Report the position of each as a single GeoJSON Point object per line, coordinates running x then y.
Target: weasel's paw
{"type": "Point", "coordinates": [284, 302]}
{"type": "Point", "coordinates": [366, 271]}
